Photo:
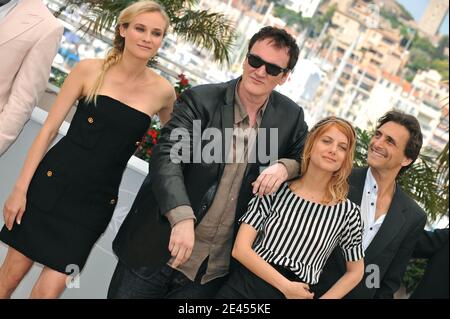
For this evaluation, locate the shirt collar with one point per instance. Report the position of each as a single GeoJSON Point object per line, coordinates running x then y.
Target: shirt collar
{"type": "Point", "coordinates": [371, 182]}
{"type": "Point", "coordinates": [241, 114]}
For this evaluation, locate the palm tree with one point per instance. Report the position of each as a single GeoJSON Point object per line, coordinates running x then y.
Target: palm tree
{"type": "Point", "coordinates": [209, 30]}
{"type": "Point", "coordinates": [442, 174]}
{"type": "Point", "coordinates": [443, 159]}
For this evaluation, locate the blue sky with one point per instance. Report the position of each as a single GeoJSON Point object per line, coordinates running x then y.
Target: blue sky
{"type": "Point", "coordinates": [417, 8]}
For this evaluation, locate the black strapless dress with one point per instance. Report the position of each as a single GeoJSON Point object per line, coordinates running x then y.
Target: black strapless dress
{"type": "Point", "coordinates": [73, 193]}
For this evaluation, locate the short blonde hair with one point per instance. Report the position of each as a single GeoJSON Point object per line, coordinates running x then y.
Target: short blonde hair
{"type": "Point", "coordinates": [115, 53]}
{"type": "Point", "coordinates": [337, 188]}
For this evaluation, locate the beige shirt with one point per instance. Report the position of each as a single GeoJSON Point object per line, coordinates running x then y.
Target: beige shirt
{"type": "Point", "coordinates": [214, 234]}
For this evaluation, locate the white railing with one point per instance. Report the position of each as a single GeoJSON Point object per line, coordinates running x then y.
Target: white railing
{"type": "Point", "coordinates": [94, 279]}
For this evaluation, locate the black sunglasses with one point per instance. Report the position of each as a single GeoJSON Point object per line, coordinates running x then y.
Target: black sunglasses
{"type": "Point", "coordinates": [272, 69]}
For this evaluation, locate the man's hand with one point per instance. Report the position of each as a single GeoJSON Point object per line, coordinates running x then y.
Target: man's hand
{"type": "Point", "coordinates": [270, 179]}
{"type": "Point", "coordinates": [181, 241]}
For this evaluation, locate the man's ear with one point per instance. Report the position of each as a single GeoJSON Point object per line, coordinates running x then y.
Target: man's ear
{"type": "Point", "coordinates": [284, 78]}
{"type": "Point", "coordinates": [406, 161]}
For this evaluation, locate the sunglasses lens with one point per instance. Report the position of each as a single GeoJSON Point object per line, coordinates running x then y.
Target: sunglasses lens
{"type": "Point", "coordinates": [257, 62]}
{"type": "Point", "coordinates": [273, 69]}
{"type": "Point", "coordinates": [254, 61]}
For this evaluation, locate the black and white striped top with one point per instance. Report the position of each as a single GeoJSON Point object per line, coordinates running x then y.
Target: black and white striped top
{"type": "Point", "coordinates": [300, 235]}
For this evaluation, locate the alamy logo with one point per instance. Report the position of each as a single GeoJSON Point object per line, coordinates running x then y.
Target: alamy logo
{"type": "Point", "coordinates": [232, 146]}
{"type": "Point", "coordinates": [73, 280]}
{"type": "Point", "coordinates": [373, 277]}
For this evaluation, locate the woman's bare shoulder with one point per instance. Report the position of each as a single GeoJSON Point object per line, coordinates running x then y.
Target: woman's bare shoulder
{"type": "Point", "coordinates": [164, 86]}
{"type": "Point", "coordinates": [90, 65]}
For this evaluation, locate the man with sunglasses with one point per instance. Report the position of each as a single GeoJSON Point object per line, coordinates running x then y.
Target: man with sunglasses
{"type": "Point", "coordinates": [176, 241]}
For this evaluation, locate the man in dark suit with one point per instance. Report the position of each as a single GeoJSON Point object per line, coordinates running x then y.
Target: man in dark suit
{"type": "Point", "coordinates": [433, 245]}
{"type": "Point", "coordinates": [176, 241]}
{"type": "Point", "coordinates": [392, 220]}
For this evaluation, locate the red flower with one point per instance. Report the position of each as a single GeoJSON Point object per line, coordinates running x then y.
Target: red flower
{"type": "Point", "coordinates": [184, 82]}
{"type": "Point", "coordinates": [153, 133]}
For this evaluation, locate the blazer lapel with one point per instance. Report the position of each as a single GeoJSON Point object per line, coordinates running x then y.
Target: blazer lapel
{"type": "Point", "coordinates": [227, 122]}
{"type": "Point", "coordinates": [357, 180]}
{"type": "Point", "coordinates": [392, 224]}
{"type": "Point", "coordinates": [19, 20]}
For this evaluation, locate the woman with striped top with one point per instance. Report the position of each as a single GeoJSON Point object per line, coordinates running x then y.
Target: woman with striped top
{"type": "Point", "coordinates": [285, 238]}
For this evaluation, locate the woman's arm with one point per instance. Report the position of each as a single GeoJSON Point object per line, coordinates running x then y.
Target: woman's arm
{"type": "Point", "coordinates": [70, 91]}
{"type": "Point", "coordinates": [353, 275]}
{"type": "Point", "coordinates": [244, 253]}
{"type": "Point", "coordinates": [166, 111]}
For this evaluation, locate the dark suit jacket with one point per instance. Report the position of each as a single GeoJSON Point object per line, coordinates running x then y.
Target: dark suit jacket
{"type": "Point", "coordinates": [433, 245]}
{"type": "Point", "coordinates": [142, 241]}
{"type": "Point", "coordinates": [390, 250]}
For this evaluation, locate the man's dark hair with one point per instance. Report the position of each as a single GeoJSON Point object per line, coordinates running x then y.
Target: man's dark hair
{"type": "Point", "coordinates": [281, 39]}
{"type": "Point", "coordinates": [414, 144]}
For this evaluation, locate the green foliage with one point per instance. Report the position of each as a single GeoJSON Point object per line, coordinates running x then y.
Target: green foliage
{"type": "Point", "coordinates": [409, 75]}
{"type": "Point", "coordinates": [413, 274]}
{"type": "Point", "coordinates": [328, 15]}
{"type": "Point", "coordinates": [318, 22]}
{"type": "Point", "coordinates": [443, 43]}
{"type": "Point", "coordinates": [209, 30]}
{"type": "Point", "coordinates": [421, 182]}
{"type": "Point", "coordinates": [425, 56]}
{"type": "Point", "coordinates": [362, 144]}
{"type": "Point", "coordinates": [419, 60]}
{"type": "Point", "coordinates": [442, 67]}
{"type": "Point", "coordinates": [145, 148]}
{"type": "Point", "coordinates": [315, 24]}
{"type": "Point", "coordinates": [442, 173]}
{"type": "Point", "coordinates": [291, 17]}
{"type": "Point", "coordinates": [424, 45]}
{"type": "Point", "coordinates": [57, 77]}
{"type": "Point", "coordinates": [405, 32]}
{"type": "Point", "coordinates": [392, 18]}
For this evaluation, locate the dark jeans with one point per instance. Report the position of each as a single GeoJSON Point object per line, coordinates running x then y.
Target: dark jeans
{"type": "Point", "coordinates": [244, 284]}
{"type": "Point", "coordinates": [164, 283]}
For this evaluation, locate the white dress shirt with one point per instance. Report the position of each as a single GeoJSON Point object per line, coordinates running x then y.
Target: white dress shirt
{"type": "Point", "coordinates": [5, 9]}
{"type": "Point", "coordinates": [368, 210]}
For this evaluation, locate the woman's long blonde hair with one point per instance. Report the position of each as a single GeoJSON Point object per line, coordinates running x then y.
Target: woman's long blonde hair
{"type": "Point", "coordinates": [115, 53]}
{"type": "Point", "coordinates": [337, 188]}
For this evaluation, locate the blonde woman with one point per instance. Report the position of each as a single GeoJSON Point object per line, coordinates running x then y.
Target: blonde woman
{"type": "Point", "coordinates": [64, 199]}
{"type": "Point", "coordinates": [285, 238]}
